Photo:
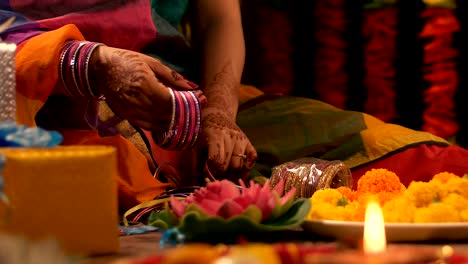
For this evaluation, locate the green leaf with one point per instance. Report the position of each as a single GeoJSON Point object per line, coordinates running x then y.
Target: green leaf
{"type": "Point", "coordinates": [342, 201]}
{"type": "Point", "coordinates": [165, 219]}
{"type": "Point", "coordinates": [280, 210]}
{"type": "Point", "coordinates": [253, 213]}
{"type": "Point", "coordinates": [294, 216]}
{"type": "Point", "coordinates": [465, 176]}
{"type": "Point", "coordinates": [197, 209]}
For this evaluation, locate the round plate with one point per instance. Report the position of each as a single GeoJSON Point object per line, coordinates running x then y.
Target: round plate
{"type": "Point", "coordinates": [394, 231]}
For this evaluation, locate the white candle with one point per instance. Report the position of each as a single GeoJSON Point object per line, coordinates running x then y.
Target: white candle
{"type": "Point", "coordinates": [7, 82]}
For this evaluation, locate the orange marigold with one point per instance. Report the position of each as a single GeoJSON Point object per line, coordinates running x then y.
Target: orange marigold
{"type": "Point", "coordinates": [444, 177]}
{"type": "Point", "coordinates": [347, 192]}
{"type": "Point", "coordinates": [384, 197]}
{"type": "Point", "coordinates": [360, 205]}
{"type": "Point", "coordinates": [379, 180]}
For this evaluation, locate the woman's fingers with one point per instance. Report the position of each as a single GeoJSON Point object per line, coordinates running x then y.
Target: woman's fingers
{"type": "Point", "coordinates": [216, 160]}
{"type": "Point", "coordinates": [251, 156]}
{"type": "Point", "coordinates": [168, 76]}
{"type": "Point", "coordinates": [237, 157]}
{"type": "Point", "coordinates": [231, 157]}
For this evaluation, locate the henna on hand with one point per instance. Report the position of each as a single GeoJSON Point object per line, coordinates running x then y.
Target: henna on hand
{"type": "Point", "coordinates": [219, 120]}
{"type": "Point", "coordinates": [123, 74]}
{"type": "Point", "coordinates": [221, 90]}
{"type": "Point", "coordinates": [225, 141]}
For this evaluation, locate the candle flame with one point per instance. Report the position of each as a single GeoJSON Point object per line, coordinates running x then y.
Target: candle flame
{"type": "Point", "coordinates": [374, 229]}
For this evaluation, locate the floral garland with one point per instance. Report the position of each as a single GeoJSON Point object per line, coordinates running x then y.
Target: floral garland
{"type": "Point", "coordinates": [331, 76]}
{"type": "Point", "coordinates": [380, 32]}
{"type": "Point", "coordinates": [439, 68]}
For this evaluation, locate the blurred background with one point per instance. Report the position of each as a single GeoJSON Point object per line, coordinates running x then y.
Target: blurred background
{"type": "Point", "coordinates": [404, 62]}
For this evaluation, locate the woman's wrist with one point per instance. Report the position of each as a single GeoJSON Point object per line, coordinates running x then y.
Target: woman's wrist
{"type": "Point", "coordinates": [75, 60]}
{"type": "Point", "coordinates": [93, 71]}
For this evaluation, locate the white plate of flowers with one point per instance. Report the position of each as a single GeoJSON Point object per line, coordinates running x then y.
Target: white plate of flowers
{"type": "Point", "coordinates": [433, 210]}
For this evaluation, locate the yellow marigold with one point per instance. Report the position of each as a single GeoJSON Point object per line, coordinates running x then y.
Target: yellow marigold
{"type": "Point", "coordinates": [443, 177]}
{"type": "Point", "coordinates": [327, 211]}
{"type": "Point", "coordinates": [422, 194]}
{"type": "Point", "coordinates": [381, 197]}
{"type": "Point", "coordinates": [458, 186]}
{"type": "Point", "coordinates": [360, 204]}
{"type": "Point", "coordinates": [378, 180]}
{"type": "Point", "coordinates": [457, 201]}
{"type": "Point", "coordinates": [347, 192]}
{"type": "Point", "coordinates": [436, 213]}
{"type": "Point", "coordinates": [329, 195]}
{"type": "Point", "coordinates": [384, 197]}
{"type": "Point", "coordinates": [399, 210]}
{"type": "Point", "coordinates": [357, 211]}
{"type": "Point", "coordinates": [464, 215]}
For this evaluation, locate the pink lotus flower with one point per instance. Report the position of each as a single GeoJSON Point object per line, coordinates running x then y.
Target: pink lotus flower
{"type": "Point", "coordinates": [225, 199]}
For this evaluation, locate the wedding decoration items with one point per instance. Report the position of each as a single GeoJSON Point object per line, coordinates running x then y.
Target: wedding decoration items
{"type": "Point", "coordinates": [223, 211]}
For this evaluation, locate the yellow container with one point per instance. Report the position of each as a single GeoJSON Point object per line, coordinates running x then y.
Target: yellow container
{"type": "Point", "coordinates": [65, 193]}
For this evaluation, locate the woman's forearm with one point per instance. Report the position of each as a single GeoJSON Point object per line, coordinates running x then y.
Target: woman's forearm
{"type": "Point", "coordinates": [222, 56]}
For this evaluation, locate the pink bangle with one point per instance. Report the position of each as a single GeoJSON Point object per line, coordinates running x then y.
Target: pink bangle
{"type": "Point", "coordinates": [74, 66]}
{"type": "Point", "coordinates": [64, 60]}
{"type": "Point", "coordinates": [185, 124]}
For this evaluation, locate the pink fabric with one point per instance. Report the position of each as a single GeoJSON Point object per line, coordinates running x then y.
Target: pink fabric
{"type": "Point", "coordinates": [124, 24]}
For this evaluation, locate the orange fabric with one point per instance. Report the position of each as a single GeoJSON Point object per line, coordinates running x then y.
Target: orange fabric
{"type": "Point", "coordinates": [37, 62]}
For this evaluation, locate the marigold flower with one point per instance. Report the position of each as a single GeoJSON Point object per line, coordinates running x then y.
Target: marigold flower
{"type": "Point", "coordinates": [436, 213]}
{"type": "Point", "coordinates": [329, 195]}
{"type": "Point", "coordinates": [347, 192]}
{"type": "Point", "coordinates": [443, 199]}
{"type": "Point", "coordinates": [422, 194]}
{"type": "Point", "coordinates": [384, 197]}
{"type": "Point", "coordinates": [399, 210]}
{"type": "Point", "coordinates": [464, 215]}
{"type": "Point", "coordinates": [358, 211]}
{"type": "Point", "coordinates": [330, 204]}
{"type": "Point", "coordinates": [378, 180]}
{"type": "Point", "coordinates": [381, 198]}
{"type": "Point", "coordinates": [458, 186]}
{"type": "Point", "coordinates": [360, 205]}
{"type": "Point", "coordinates": [457, 201]}
{"type": "Point", "coordinates": [327, 211]}
{"type": "Point", "coordinates": [443, 177]}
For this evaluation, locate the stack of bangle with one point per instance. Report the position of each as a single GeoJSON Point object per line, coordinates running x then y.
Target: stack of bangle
{"type": "Point", "coordinates": [185, 123]}
{"type": "Point", "coordinates": [73, 69]}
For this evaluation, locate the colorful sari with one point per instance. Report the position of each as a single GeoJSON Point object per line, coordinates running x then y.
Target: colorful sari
{"type": "Point", "coordinates": [281, 128]}
{"type": "Point", "coordinates": [40, 30]}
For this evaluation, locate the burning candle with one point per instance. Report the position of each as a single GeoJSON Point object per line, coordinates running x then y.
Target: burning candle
{"type": "Point", "coordinates": [375, 242]}
{"type": "Point", "coordinates": [7, 82]}
{"type": "Point", "coordinates": [374, 230]}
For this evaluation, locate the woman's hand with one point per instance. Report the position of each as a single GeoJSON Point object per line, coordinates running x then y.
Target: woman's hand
{"type": "Point", "coordinates": [230, 153]}
{"type": "Point", "coordinates": [136, 86]}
